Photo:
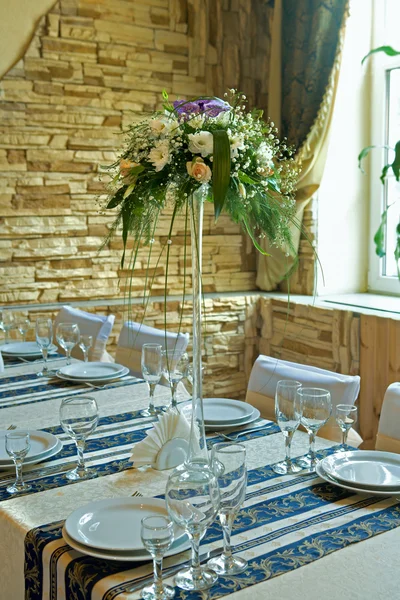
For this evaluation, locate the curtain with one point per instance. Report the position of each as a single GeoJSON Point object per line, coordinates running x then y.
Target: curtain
{"type": "Point", "coordinates": [312, 33]}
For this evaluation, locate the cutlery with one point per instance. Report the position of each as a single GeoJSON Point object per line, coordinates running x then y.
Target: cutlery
{"type": "Point", "coordinates": [233, 438]}
{"type": "Point", "coordinates": [136, 494]}
{"type": "Point", "coordinates": [11, 427]}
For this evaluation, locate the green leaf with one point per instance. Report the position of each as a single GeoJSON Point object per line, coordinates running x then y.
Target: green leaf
{"type": "Point", "coordinates": [253, 239]}
{"type": "Point", "coordinates": [125, 230]}
{"type": "Point", "coordinates": [379, 237]}
{"type": "Point", "coordinates": [129, 190]}
{"type": "Point", "coordinates": [363, 154]}
{"type": "Point", "coordinates": [244, 178]}
{"type": "Point", "coordinates": [221, 169]}
{"type": "Point", "coordinates": [272, 185]}
{"type": "Point", "coordinates": [386, 49]}
{"type": "Point", "coordinates": [165, 94]}
{"type": "Point", "coordinates": [396, 162]}
{"type": "Point", "coordinates": [117, 198]}
{"type": "Point", "coordinates": [384, 173]}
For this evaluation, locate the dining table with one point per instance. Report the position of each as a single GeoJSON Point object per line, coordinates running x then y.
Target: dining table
{"type": "Point", "coordinates": [302, 537]}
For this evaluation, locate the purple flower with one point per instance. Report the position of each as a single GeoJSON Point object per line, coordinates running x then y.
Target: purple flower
{"type": "Point", "coordinates": [211, 107]}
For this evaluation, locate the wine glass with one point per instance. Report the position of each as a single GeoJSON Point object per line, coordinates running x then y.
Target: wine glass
{"type": "Point", "coordinates": [67, 335]}
{"type": "Point", "coordinates": [8, 323]}
{"type": "Point", "coordinates": [346, 417]}
{"type": "Point", "coordinates": [151, 370]}
{"type": "Point", "coordinates": [317, 408]}
{"type": "Point", "coordinates": [229, 464]}
{"type": "Point", "coordinates": [85, 343]}
{"type": "Point", "coordinates": [157, 535]}
{"type": "Point", "coordinates": [175, 365]}
{"type": "Point", "coordinates": [288, 415]}
{"type": "Point", "coordinates": [23, 327]}
{"type": "Point", "coordinates": [79, 417]}
{"type": "Point", "coordinates": [192, 497]}
{"type": "Point", "coordinates": [17, 447]}
{"type": "Point", "coordinates": [44, 339]}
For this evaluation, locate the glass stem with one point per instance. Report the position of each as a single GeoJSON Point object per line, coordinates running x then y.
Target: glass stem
{"type": "Point", "coordinates": [7, 336]}
{"type": "Point", "coordinates": [195, 566]}
{"type": "Point", "coordinates": [68, 353]}
{"type": "Point", "coordinates": [174, 402]}
{"type": "Point", "coordinates": [312, 445]}
{"type": "Point", "coordinates": [86, 355]}
{"type": "Point", "coordinates": [24, 337]}
{"type": "Point", "coordinates": [157, 569]}
{"type": "Point", "coordinates": [288, 444]}
{"type": "Point", "coordinates": [152, 389]}
{"type": "Point", "coordinates": [18, 472]}
{"type": "Point", "coordinates": [227, 530]}
{"type": "Point", "coordinates": [45, 354]}
{"type": "Point", "coordinates": [80, 446]}
{"type": "Point", "coordinates": [344, 437]}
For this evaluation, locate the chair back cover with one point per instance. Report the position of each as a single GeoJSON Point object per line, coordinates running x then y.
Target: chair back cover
{"type": "Point", "coordinates": [388, 437]}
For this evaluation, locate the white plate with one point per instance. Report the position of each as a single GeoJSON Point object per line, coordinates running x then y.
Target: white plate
{"type": "Point", "coordinates": [178, 546]}
{"type": "Point", "coordinates": [97, 380]}
{"type": "Point", "coordinates": [253, 417]}
{"type": "Point", "coordinates": [92, 370]}
{"type": "Point", "coordinates": [222, 410]}
{"type": "Point", "coordinates": [365, 468]}
{"type": "Point", "coordinates": [41, 443]}
{"type": "Point", "coordinates": [358, 490]}
{"type": "Point", "coordinates": [114, 523]}
{"type": "Point", "coordinates": [35, 459]}
{"type": "Point", "coordinates": [24, 349]}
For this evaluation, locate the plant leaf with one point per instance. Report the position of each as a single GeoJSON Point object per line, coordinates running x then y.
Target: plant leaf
{"type": "Point", "coordinates": [125, 230]}
{"type": "Point", "coordinates": [379, 237]}
{"type": "Point", "coordinates": [386, 49]}
{"type": "Point", "coordinates": [384, 173]}
{"type": "Point", "coordinates": [244, 178]}
{"type": "Point", "coordinates": [364, 152]}
{"type": "Point", "coordinates": [396, 162]}
{"type": "Point", "coordinates": [117, 198]}
{"type": "Point", "coordinates": [129, 190]}
{"type": "Point", "coordinates": [221, 169]}
{"type": "Point", "coordinates": [253, 239]}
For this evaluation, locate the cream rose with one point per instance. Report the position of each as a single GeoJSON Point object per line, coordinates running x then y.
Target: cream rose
{"type": "Point", "coordinates": [201, 143]}
{"type": "Point", "coordinates": [199, 170]}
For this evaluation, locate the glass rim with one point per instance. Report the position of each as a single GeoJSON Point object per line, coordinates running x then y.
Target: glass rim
{"type": "Point", "coordinates": [63, 324]}
{"type": "Point", "coordinates": [20, 433]}
{"type": "Point", "coordinates": [290, 383]}
{"type": "Point", "coordinates": [168, 523]}
{"type": "Point", "coordinates": [342, 406]}
{"type": "Point", "coordinates": [151, 345]}
{"type": "Point", "coordinates": [228, 448]}
{"type": "Point", "coordinates": [314, 391]}
{"type": "Point", "coordinates": [77, 400]}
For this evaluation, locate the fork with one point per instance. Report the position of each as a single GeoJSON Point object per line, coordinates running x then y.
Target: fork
{"type": "Point", "coordinates": [136, 494]}
{"type": "Point", "coordinates": [234, 437]}
{"type": "Point", "coordinates": [11, 427]}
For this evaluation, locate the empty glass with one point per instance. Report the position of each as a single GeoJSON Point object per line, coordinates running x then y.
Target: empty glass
{"type": "Point", "coordinates": [192, 498]}
{"type": "Point", "coordinates": [151, 370]}
{"type": "Point", "coordinates": [346, 417]}
{"type": "Point", "coordinates": [44, 339]}
{"type": "Point", "coordinates": [175, 365]}
{"type": "Point", "coordinates": [157, 534]}
{"type": "Point", "coordinates": [229, 464]}
{"type": "Point", "coordinates": [23, 327]}
{"type": "Point", "coordinates": [317, 409]}
{"type": "Point", "coordinates": [85, 343]}
{"type": "Point", "coordinates": [17, 447]}
{"type": "Point", "coordinates": [67, 335]}
{"type": "Point", "coordinates": [7, 323]}
{"type": "Point", "coordinates": [79, 417]}
{"type": "Point", "coordinates": [288, 415]}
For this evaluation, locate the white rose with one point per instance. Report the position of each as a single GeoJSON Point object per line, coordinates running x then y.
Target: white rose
{"type": "Point", "coordinates": [201, 143]}
{"type": "Point", "coordinates": [163, 126]}
{"type": "Point", "coordinates": [237, 143]}
{"type": "Point", "coordinates": [159, 155]}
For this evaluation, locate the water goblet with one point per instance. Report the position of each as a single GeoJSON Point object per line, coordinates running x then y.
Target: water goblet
{"type": "Point", "coordinates": [44, 339]}
{"type": "Point", "coordinates": [229, 464]}
{"type": "Point", "coordinates": [85, 343]}
{"type": "Point", "coordinates": [175, 365]}
{"type": "Point", "coordinates": [23, 327]}
{"type": "Point", "coordinates": [346, 417]}
{"type": "Point", "coordinates": [192, 497]}
{"type": "Point", "coordinates": [7, 323]}
{"type": "Point", "coordinates": [288, 415]}
{"type": "Point", "coordinates": [157, 535]}
{"type": "Point", "coordinates": [67, 335]}
{"type": "Point", "coordinates": [151, 370]}
{"type": "Point", "coordinates": [317, 408]}
{"type": "Point", "coordinates": [79, 417]}
{"type": "Point", "coordinates": [17, 447]}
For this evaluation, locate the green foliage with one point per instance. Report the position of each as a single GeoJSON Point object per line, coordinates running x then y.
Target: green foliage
{"type": "Point", "coordinates": [379, 237]}
{"type": "Point", "coordinates": [221, 169]}
{"type": "Point", "coordinates": [388, 50]}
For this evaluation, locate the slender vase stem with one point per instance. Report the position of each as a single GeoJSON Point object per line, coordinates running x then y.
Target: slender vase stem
{"type": "Point", "coordinates": [288, 445]}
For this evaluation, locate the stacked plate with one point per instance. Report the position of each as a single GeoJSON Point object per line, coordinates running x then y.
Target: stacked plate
{"type": "Point", "coordinates": [111, 528]}
{"type": "Point", "coordinates": [363, 471]}
{"type": "Point", "coordinates": [43, 445]}
{"type": "Point", "coordinates": [224, 413]}
{"type": "Point", "coordinates": [24, 350]}
{"type": "Point", "coordinates": [92, 371]}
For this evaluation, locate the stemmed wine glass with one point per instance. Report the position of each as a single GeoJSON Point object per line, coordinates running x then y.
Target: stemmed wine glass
{"type": "Point", "coordinates": [17, 447]}
{"type": "Point", "coordinates": [44, 339]}
{"type": "Point", "coordinates": [317, 408]}
{"type": "Point", "coordinates": [8, 323]}
{"type": "Point", "coordinates": [229, 464]}
{"type": "Point", "coordinates": [85, 343]}
{"type": "Point", "coordinates": [151, 370]}
{"type": "Point", "coordinates": [192, 498]}
{"type": "Point", "coordinates": [175, 365]}
{"type": "Point", "coordinates": [79, 417]}
{"type": "Point", "coordinates": [157, 533]}
{"type": "Point", "coordinates": [23, 327]}
{"type": "Point", "coordinates": [346, 417]}
{"type": "Point", "coordinates": [288, 414]}
{"type": "Point", "coordinates": [67, 335]}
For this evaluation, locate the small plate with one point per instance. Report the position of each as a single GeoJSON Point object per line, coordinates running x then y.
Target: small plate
{"type": "Point", "coordinates": [253, 417]}
{"type": "Point", "coordinates": [24, 349]}
{"type": "Point", "coordinates": [179, 545]}
{"type": "Point", "coordinates": [35, 459]}
{"type": "Point", "coordinates": [357, 490]}
{"type": "Point", "coordinates": [97, 380]}
{"type": "Point", "coordinates": [114, 524]}
{"type": "Point", "coordinates": [218, 411]}
{"type": "Point", "coordinates": [92, 370]}
{"type": "Point", "coordinates": [41, 443]}
{"type": "Point", "coordinates": [365, 468]}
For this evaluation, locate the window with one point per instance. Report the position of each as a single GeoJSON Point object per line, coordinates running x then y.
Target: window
{"type": "Point", "coordinates": [385, 131]}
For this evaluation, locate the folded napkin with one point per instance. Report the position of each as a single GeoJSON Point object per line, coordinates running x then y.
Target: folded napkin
{"type": "Point", "coordinates": [268, 371]}
{"type": "Point", "coordinates": [166, 444]}
{"type": "Point", "coordinates": [388, 437]}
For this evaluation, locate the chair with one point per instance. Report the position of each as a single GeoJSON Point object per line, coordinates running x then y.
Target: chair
{"type": "Point", "coordinates": [89, 324]}
{"type": "Point", "coordinates": [388, 437]}
{"type": "Point", "coordinates": [134, 335]}
{"type": "Point", "coordinates": [266, 373]}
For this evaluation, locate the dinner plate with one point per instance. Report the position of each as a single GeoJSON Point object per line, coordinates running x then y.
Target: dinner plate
{"type": "Point", "coordinates": [114, 523]}
{"type": "Point", "coordinates": [359, 489]}
{"type": "Point", "coordinates": [97, 380]}
{"type": "Point", "coordinates": [229, 425]}
{"type": "Point", "coordinates": [24, 349]}
{"type": "Point", "coordinates": [41, 443]}
{"type": "Point", "coordinates": [179, 545]}
{"type": "Point", "coordinates": [92, 370]}
{"type": "Point", "coordinates": [365, 468]}
{"type": "Point", "coordinates": [218, 411]}
{"type": "Point", "coordinates": [35, 459]}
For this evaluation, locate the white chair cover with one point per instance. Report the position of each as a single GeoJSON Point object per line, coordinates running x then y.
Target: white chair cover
{"type": "Point", "coordinates": [388, 437]}
{"type": "Point", "coordinates": [97, 326]}
{"type": "Point", "coordinates": [268, 371]}
{"type": "Point", "coordinates": [134, 335]}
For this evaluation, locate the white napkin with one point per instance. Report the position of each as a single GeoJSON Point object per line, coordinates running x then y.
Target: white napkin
{"type": "Point", "coordinates": [388, 438]}
{"type": "Point", "coordinates": [166, 444]}
{"type": "Point", "coordinates": [1, 363]}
